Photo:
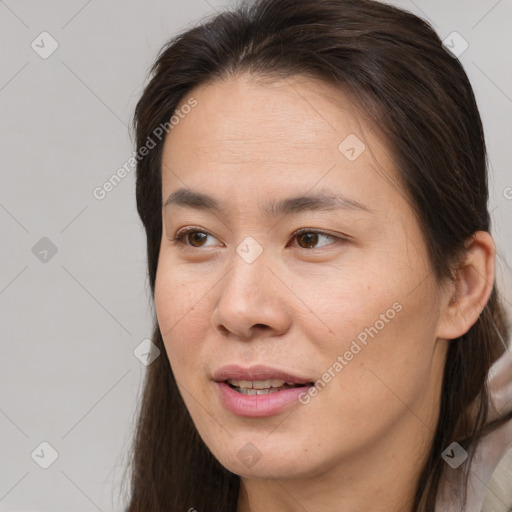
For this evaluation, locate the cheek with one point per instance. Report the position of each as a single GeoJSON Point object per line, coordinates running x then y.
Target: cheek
{"type": "Point", "coordinates": [372, 290]}
{"type": "Point", "coordinates": [182, 314]}
{"type": "Point", "coordinates": [181, 294]}
{"type": "Point", "coordinates": [343, 301]}
{"type": "Point", "coordinates": [382, 325]}
{"type": "Point", "coordinates": [387, 353]}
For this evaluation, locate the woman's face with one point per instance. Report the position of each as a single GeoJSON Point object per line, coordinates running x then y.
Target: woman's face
{"type": "Point", "coordinates": [350, 304]}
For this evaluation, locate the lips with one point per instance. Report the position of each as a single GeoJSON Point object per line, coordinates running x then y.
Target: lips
{"type": "Point", "coordinates": [240, 390]}
{"type": "Point", "coordinates": [255, 373]}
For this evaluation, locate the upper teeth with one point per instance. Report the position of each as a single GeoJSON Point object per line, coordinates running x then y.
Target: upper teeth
{"type": "Point", "coordinates": [259, 384]}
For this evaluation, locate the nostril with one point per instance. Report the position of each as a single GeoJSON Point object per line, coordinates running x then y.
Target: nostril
{"type": "Point", "coordinates": [223, 329]}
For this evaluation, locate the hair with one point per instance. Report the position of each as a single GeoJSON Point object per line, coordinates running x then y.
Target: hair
{"type": "Point", "coordinates": [394, 66]}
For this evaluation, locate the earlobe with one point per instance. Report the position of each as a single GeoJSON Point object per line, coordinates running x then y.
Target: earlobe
{"type": "Point", "coordinates": [471, 289]}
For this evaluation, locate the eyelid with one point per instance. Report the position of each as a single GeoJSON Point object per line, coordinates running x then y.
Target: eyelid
{"type": "Point", "coordinates": [181, 233]}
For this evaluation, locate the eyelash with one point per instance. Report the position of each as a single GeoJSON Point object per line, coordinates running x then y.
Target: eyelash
{"type": "Point", "coordinates": [181, 234]}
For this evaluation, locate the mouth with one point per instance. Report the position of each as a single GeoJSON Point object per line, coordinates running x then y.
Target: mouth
{"type": "Point", "coordinates": [262, 387]}
{"type": "Point", "coordinates": [259, 391]}
{"type": "Point", "coordinates": [258, 378]}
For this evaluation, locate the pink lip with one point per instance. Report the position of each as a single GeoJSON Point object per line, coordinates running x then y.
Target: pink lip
{"type": "Point", "coordinates": [258, 372]}
{"type": "Point", "coordinates": [258, 406]}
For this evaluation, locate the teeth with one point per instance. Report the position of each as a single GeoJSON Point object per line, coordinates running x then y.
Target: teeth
{"type": "Point", "coordinates": [251, 391]}
{"type": "Point", "coordinates": [260, 387]}
{"type": "Point", "coordinates": [259, 384]}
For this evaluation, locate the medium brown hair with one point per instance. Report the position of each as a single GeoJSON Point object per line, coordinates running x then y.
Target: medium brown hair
{"type": "Point", "coordinates": [394, 65]}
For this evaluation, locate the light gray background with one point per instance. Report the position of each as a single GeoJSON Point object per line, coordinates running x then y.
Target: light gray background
{"type": "Point", "coordinates": [69, 326]}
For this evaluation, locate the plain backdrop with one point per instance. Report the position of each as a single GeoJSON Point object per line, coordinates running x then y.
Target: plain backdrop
{"type": "Point", "coordinates": [73, 290]}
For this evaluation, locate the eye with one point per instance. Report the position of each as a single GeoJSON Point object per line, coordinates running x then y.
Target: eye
{"type": "Point", "coordinates": [309, 239]}
{"type": "Point", "coordinates": [196, 237]}
{"type": "Point", "coordinates": [306, 238]}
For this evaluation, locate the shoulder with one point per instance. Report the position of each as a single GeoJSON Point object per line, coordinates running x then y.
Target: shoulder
{"type": "Point", "coordinates": [498, 497]}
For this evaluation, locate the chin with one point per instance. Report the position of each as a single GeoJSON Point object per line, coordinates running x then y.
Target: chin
{"type": "Point", "coordinates": [248, 461]}
{"type": "Point", "coordinates": [274, 469]}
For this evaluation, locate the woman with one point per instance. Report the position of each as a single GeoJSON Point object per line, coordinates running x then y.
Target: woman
{"type": "Point", "coordinates": [320, 262]}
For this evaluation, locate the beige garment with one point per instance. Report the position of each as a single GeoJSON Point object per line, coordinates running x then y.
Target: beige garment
{"type": "Point", "coordinates": [489, 486]}
{"type": "Point", "coordinates": [498, 497]}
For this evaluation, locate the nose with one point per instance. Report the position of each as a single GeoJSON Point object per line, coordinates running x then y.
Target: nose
{"type": "Point", "coordinates": [252, 301]}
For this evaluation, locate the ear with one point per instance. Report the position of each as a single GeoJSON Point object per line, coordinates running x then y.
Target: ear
{"type": "Point", "coordinates": [466, 297]}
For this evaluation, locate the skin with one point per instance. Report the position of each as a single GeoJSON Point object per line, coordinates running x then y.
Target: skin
{"type": "Point", "coordinates": [361, 442]}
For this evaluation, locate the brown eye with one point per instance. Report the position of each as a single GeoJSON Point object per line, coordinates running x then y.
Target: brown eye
{"type": "Point", "coordinates": [193, 238]}
{"type": "Point", "coordinates": [196, 238]}
{"type": "Point", "coordinates": [307, 240]}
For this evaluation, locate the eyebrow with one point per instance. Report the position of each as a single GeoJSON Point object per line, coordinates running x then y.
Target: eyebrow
{"type": "Point", "coordinates": [310, 202]}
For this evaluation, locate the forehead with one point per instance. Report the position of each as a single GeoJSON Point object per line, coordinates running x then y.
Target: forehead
{"type": "Point", "coordinates": [271, 117]}
{"type": "Point", "coordinates": [288, 133]}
